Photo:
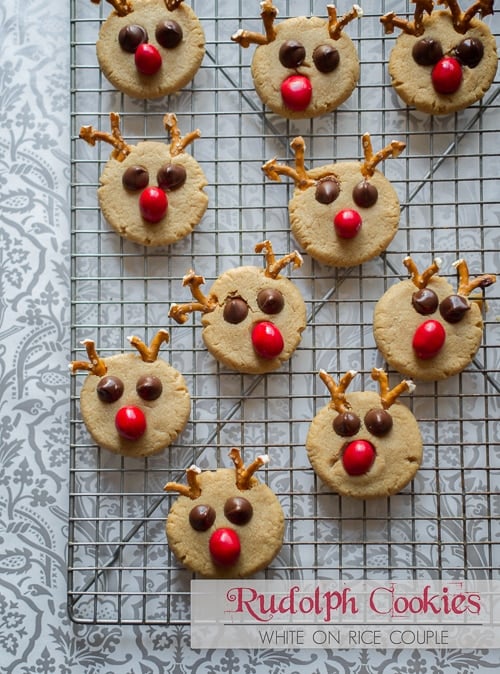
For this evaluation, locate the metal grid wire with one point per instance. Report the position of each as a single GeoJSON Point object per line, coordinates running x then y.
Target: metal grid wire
{"type": "Point", "coordinates": [446, 523]}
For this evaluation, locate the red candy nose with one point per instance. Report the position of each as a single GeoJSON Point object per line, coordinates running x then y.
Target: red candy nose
{"type": "Point", "coordinates": [224, 546]}
{"type": "Point", "coordinates": [347, 223]}
{"type": "Point", "coordinates": [358, 457]}
{"type": "Point", "coordinates": [153, 204]}
{"type": "Point", "coordinates": [447, 75]}
{"type": "Point", "coordinates": [428, 339]}
{"type": "Point", "coordinates": [130, 422]}
{"type": "Point", "coordinates": [147, 59]}
{"type": "Point", "coordinates": [267, 340]}
{"type": "Point", "coordinates": [296, 92]}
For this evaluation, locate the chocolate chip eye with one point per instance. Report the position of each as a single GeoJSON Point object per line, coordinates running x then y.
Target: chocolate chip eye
{"type": "Point", "coordinates": [168, 34]}
{"type": "Point", "coordinates": [201, 517]}
{"type": "Point", "coordinates": [470, 52]}
{"type": "Point", "coordinates": [346, 424]}
{"type": "Point", "coordinates": [130, 37]}
{"type": "Point", "coordinates": [171, 176]}
{"type": "Point", "coordinates": [109, 389]}
{"type": "Point", "coordinates": [365, 194]}
{"type": "Point", "coordinates": [135, 178]}
{"type": "Point", "coordinates": [235, 310]}
{"type": "Point", "coordinates": [326, 58]}
{"type": "Point", "coordinates": [454, 308]}
{"type": "Point", "coordinates": [427, 52]}
{"type": "Point", "coordinates": [149, 387]}
{"type": "Point", "coordinates": [292, 54]}
{"type": "Point", "coordinates": [425, 301]}
{"type": "Point", "coordinates": [378, 422]}
{"type": "Point", "coordinates": [270, 301]}
{"type": "Point", "coordinates": [327, 190]}
{"type": "Point", "coordinates": [238, 510]}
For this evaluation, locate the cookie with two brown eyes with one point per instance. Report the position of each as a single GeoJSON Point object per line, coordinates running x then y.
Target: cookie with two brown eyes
{"type": "Point", "coordinates": [345, 213]}
{"type": "Point", "coordinates": [303, 67]}
{"type": "Point", "coordinates": [135, 404]}
{"type": "Point", "coordinates": [252, 317]}
{"type": "Point", "coordinates": [150, 48]}
{"type": "Point", "coordinates": [151, 193]}
{"type": "Point", "coordinates": [426, 329]}
{"type": "Point", "coordinates": [365, 444]}
{"type": "Point", "coordinates": [225, 523]}
{"type": "Point", "coordinates": [443, 60]}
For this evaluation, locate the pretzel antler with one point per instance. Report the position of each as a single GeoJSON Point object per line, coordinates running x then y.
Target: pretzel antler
{"type": "Point", "coordinates": [392, 150]}
{"type": "Point", "coordinates": [179, 312]}
{"type": "Point", "coordinates": [115, 138]}
{"type": "Point", "coordinates": [461, 20]}
{"type": "Point", "coordinates": [415, 27]}
{"type": "Point", "coordinates": [121, 7]}
{"type": "Point", "coordinates": [244, 474]}
{"type": "Point", "coordinates": [466, 285]}
{"type": "Point", "coordinates": [421, 280]}
{"type": "Point", "coordinates": [335, 25]}
{"type": "Point", "coordinates": [337, 391]}
{"type": "Point", "coordinates": [246, 37]}
{"type": "Point", "coordinates": [273, 266]}
{"type": "Point", "coordinates": [178, 142]}
{"type": "Point", "coordinates": [150, 353]}
{"type": "Point", "coordinates": [299, 175]}
{"type": "Point", "coordinates": [95, 365]}
{"type": "Point", "coordinates": [192, 490]}
{"type": "Point", "coordinates": [173, 4]}
{"type": "Point", "coordinates": [389, 396]}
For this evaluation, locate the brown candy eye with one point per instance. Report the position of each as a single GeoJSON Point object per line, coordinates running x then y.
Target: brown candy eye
{"type": "Point", "coordinates": [378, 422]}
{"type": "Point", "coordinates": [135, 178]}
{"type": "Point", "coordinates": [130, 37]}
{"type": "Point", "coordinates": [453, 308]}
{"type": "Point", "coordinates": [235, 310]}
{"type": "Point", "coordinates": [326, 58]}
{"type": "Point", "coordinates": [238, 510]}
{"type": "Point", "coordinates": [109, 389]}
{"type": "Point", "coordinates": [346, 424]}
{"type": "Point", "coordinates": [427, 52]}
{"type": "Point", "coordinates": [201, 517]}
{"type": "Point", "coordinates": [327, 190]}
{"type": "Point", "coordinates": [171, 176]}
{"type": "Point", "coordinates": [168, 34]}
{"type": "Point", "coordinates": [149, 387]}
{"type": "Point", "coordinates": [291, 54]}
{"type": "Point", "coordinates": [470, 52]}
{"type": "Point", "coordinates": [365, 194]}
{"type": "Point", "coordinates": [425, 301]}
{"type": "Point", "coordinates": [270, 301]}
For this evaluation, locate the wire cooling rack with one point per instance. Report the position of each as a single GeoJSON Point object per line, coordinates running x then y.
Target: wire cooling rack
{"type": "Point", "coordinates": [446, 524]}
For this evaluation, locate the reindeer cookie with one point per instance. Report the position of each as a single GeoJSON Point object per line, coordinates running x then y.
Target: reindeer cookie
{"type": "Point", "coordinates": [341, 214]}
{"type": "Point", "coordinates": [443, 61]}
{"type": "Point", "coordinates": [303, 67]}
{"type": "Point", "coordinates": [365, 444]}
{"type": "Point", "coordinates": [424, 329]}
{"type": "Point", "coordinates": [225, 524]}
{"type": "Point", "coordinates": [151, 193]}
{"type": "Point", "coordinates": [150, 48]}
{"type": "Point", "coordinates": [133, 404]}
{"type": "Point", "coordinates": [252, 318]}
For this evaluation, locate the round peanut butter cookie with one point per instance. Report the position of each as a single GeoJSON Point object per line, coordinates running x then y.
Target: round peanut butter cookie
{"type": "Point", "coordinates": [426, 330]}
{"type": "Point", "coordinates": [151, 193]}
{"type": "Point", "coordinates": [133, 404]}
{"type": "Point", "coordinates": [225, 524]}
{"type": "Point", "coordinates": [443, 61]}
{"type": "Point", "coordinates": [150, 48]}
{"type": "Point", "coordinates": [303, 67]}
{"type": "Point", "coordinates": [341, 214]}
{"type": "Point", "coordinates": [252, 318]}
{"type": "Point", "coordinates": [363, 444]}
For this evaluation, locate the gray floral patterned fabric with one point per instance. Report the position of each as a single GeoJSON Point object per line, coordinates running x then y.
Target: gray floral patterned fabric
{"type": "Point", "coordinates": [36, 634]}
